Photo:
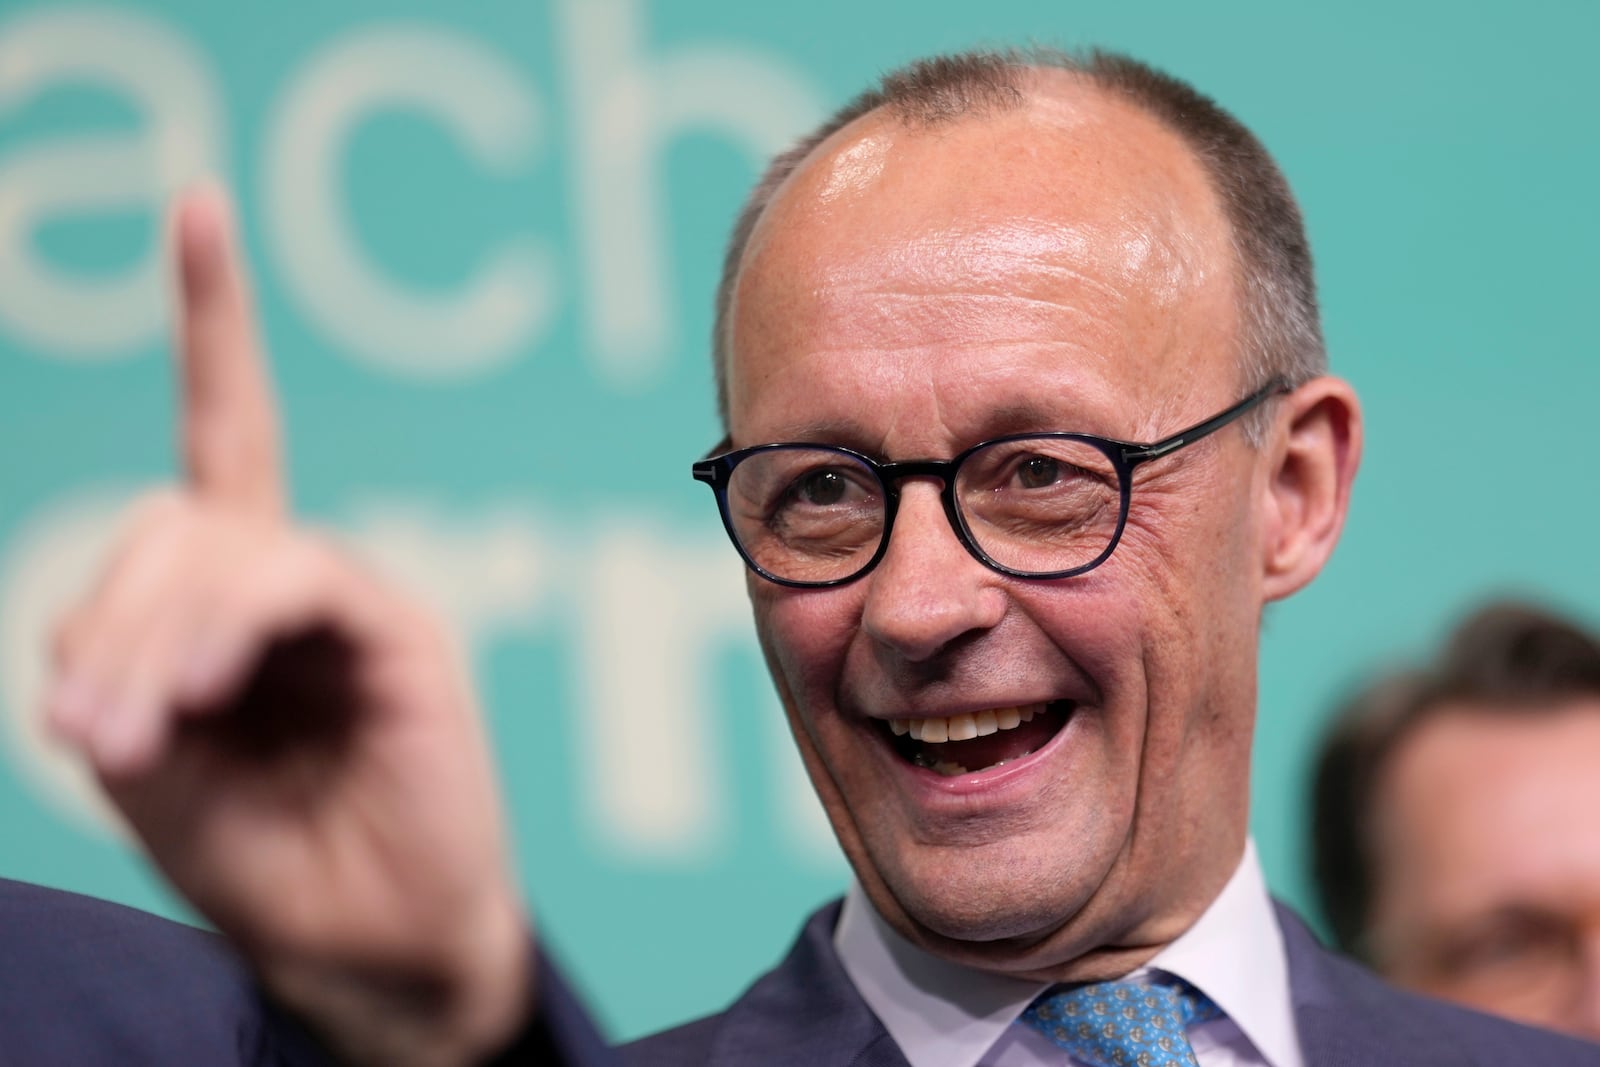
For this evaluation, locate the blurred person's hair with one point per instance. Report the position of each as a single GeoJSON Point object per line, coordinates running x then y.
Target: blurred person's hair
{"type": "Point", "coordinates": [1280, 331]}
{"type": "Point", "coordinates": [1507, 659]}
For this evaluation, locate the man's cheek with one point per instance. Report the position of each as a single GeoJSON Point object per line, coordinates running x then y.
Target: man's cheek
{"type": "Point", "coordinates": [804, 635]}
{"type": "Point", "coordinates": [1166, 589]}
{"type": "Point", "coordinates": [1151, 547]}
{"type": "Point", "coordinates": [1101, 621]}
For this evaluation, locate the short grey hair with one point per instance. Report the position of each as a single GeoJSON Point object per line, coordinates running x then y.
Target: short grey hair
{"type": "Point", "coordinates": [1280, 329]}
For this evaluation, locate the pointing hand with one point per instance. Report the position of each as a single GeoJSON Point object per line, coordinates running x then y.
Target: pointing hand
{"type": "Point", "coordinates": [296, 744]}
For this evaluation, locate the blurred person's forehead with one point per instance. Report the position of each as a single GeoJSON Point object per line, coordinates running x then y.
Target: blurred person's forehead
{"type": "Point", "coordinates": [1480, 804]}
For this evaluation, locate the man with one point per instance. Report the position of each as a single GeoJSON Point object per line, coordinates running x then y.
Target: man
{"type": "Point", "coordinates": [1456, 848]}
{"type": "Point", "coordinates": [1022, 675]}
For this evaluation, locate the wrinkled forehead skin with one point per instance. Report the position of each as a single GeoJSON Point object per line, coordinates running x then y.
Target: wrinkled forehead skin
{"type": "Point", "coordinates": [1074, 190]}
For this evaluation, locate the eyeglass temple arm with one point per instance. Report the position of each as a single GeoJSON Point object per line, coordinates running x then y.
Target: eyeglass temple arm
{"type": "Point", "coordinates": [709, 468]}
{"type": "Point", "coordinates": [1141, 453]}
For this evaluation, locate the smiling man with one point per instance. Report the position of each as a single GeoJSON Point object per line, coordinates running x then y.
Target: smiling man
{"type": "Point", "coordinates": [1054, 260]}
{"type": "Point", "coordinates": [1027, 422]}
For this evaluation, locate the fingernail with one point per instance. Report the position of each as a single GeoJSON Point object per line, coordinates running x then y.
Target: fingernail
{"type": "Point", "coordinates": [203, 222]}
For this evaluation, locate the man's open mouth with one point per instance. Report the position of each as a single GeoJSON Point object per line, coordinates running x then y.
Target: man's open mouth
{"type": "Point", "coordinates": [977, 741]}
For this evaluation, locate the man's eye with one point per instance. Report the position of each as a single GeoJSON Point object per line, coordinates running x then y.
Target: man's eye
{"type": "Point", "coordinates": [1517, 942]}
{"type": "Point", "coordinates": [821, 488]}
{"type": "Point", "coordinates": [1037, 472]}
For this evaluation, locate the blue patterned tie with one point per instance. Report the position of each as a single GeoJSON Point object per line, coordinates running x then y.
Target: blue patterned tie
{"type": "Point", "coordinates": [1123, 1024]}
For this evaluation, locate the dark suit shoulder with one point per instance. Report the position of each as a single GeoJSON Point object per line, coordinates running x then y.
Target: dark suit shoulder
{"type": "Point", "coordinates": [74, 924]}
{"type": "Point", "coordinates": [1449, 1033]}
{"type": "Point", "coordinates": [688, 1043]}
{"type": "Point", "coordinates": [803, 1013]}
{"type": "Point", "coordinates": [85, 981]}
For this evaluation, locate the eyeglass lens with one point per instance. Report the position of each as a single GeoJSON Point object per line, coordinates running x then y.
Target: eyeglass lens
{"type": "Point", "coordinates": [1036, 505]}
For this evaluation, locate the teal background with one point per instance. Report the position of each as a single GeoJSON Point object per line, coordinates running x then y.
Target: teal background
{"type": "Point", "coordinates": [1446, 157]}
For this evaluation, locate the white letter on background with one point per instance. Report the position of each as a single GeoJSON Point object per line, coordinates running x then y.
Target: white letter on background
{"type": "Point", "coordinates": [626, 109]}
{"type": "Point", "coordinates": [167, 83]}
{"type": "Point", "coordinates": [404, 329]}
{"type": "Point", "coordinates": [651, 616]}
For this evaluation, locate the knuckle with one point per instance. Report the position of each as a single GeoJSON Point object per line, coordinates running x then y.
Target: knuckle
{"type": "Point", "coordinates": [429, 630]}
{"type": "Point", "coordinates": [290, 572]}
{"type": "Point", "coordinates": [155, 524]}
{"type": "Point", "coordinates": [66, 639]}
{"type": "Point", "coordinates": [158, 509]}
{"type": "Point", "coordinates": [309, 556]}
{"type": "Point", "coordinates": [381, 595]}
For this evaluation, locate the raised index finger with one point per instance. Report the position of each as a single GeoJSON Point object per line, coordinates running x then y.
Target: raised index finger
{"type": "Point", "coordinates": [229, 418]}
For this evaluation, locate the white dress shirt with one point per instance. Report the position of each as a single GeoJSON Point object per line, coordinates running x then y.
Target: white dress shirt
{"type": "Point", "coordinates": [944, 1015]}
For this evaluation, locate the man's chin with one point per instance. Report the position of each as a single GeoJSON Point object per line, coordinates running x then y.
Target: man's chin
{"type": "Point", "coordinates": [1068, 922]}
{"type": "Point", "coordinates": [1054, 944]}
{"type": "Point", "coordinates": [983, 921]}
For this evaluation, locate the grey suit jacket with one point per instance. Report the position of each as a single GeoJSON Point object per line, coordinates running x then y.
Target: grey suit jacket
{"type": "Point", "coordinates": [806, 1013]}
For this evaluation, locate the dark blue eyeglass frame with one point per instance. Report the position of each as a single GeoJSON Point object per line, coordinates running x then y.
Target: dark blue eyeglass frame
{"type": "Point", "coordinates": [716, 471]}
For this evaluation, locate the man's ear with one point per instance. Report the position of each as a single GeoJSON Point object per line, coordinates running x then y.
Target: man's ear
{"type": "Point", "coordinates": [1316, 450]}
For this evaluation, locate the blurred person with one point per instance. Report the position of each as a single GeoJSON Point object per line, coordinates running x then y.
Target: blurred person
{"type": "Point", "coordinates": [1456, 821]}
{"type": "Point", "coordinates": [1027, 419]}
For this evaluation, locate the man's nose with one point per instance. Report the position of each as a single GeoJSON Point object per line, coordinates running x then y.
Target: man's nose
{"type": "Point", "coordinates": [928, 590]}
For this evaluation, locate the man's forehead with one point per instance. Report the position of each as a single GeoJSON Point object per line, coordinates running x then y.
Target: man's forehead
{"type": "Point", "coordinates": [1090, 221]}
{"type": "Point", "coordinates": [1067, 150]}
{"type": "Point", "coordinates": [1073, 174]}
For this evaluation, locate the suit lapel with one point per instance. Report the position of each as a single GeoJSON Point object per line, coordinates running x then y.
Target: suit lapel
{"type": "Point", "coordinates": [1347, 1017]}
{"type": "Point", "coordinates": [837, 1027]}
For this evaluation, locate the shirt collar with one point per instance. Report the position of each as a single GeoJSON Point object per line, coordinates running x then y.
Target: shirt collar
{"type": "Point", "coordinates": [1234, 954]}
{"type": "Point", "coordinates": [942, 1014]}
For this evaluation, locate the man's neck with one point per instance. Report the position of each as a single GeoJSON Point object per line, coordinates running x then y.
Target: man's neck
{"type": "Point", "coordinates": [944, 1013]}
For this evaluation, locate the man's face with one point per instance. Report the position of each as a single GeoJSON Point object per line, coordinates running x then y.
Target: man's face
{"type": "Point", "coordinates": [909, 293]}
{"type": "Point", "coordinates": [1488, 863]}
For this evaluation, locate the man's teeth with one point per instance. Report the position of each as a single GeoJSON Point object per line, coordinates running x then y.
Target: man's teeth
{"type": "Point", "coordinates": [948, 768]}
{"type": "Point", "coordinates": [966, 726]}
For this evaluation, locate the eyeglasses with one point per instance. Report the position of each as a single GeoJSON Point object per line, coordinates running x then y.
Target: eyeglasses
{"type": "Point", "coordinates": [1040, 505]}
